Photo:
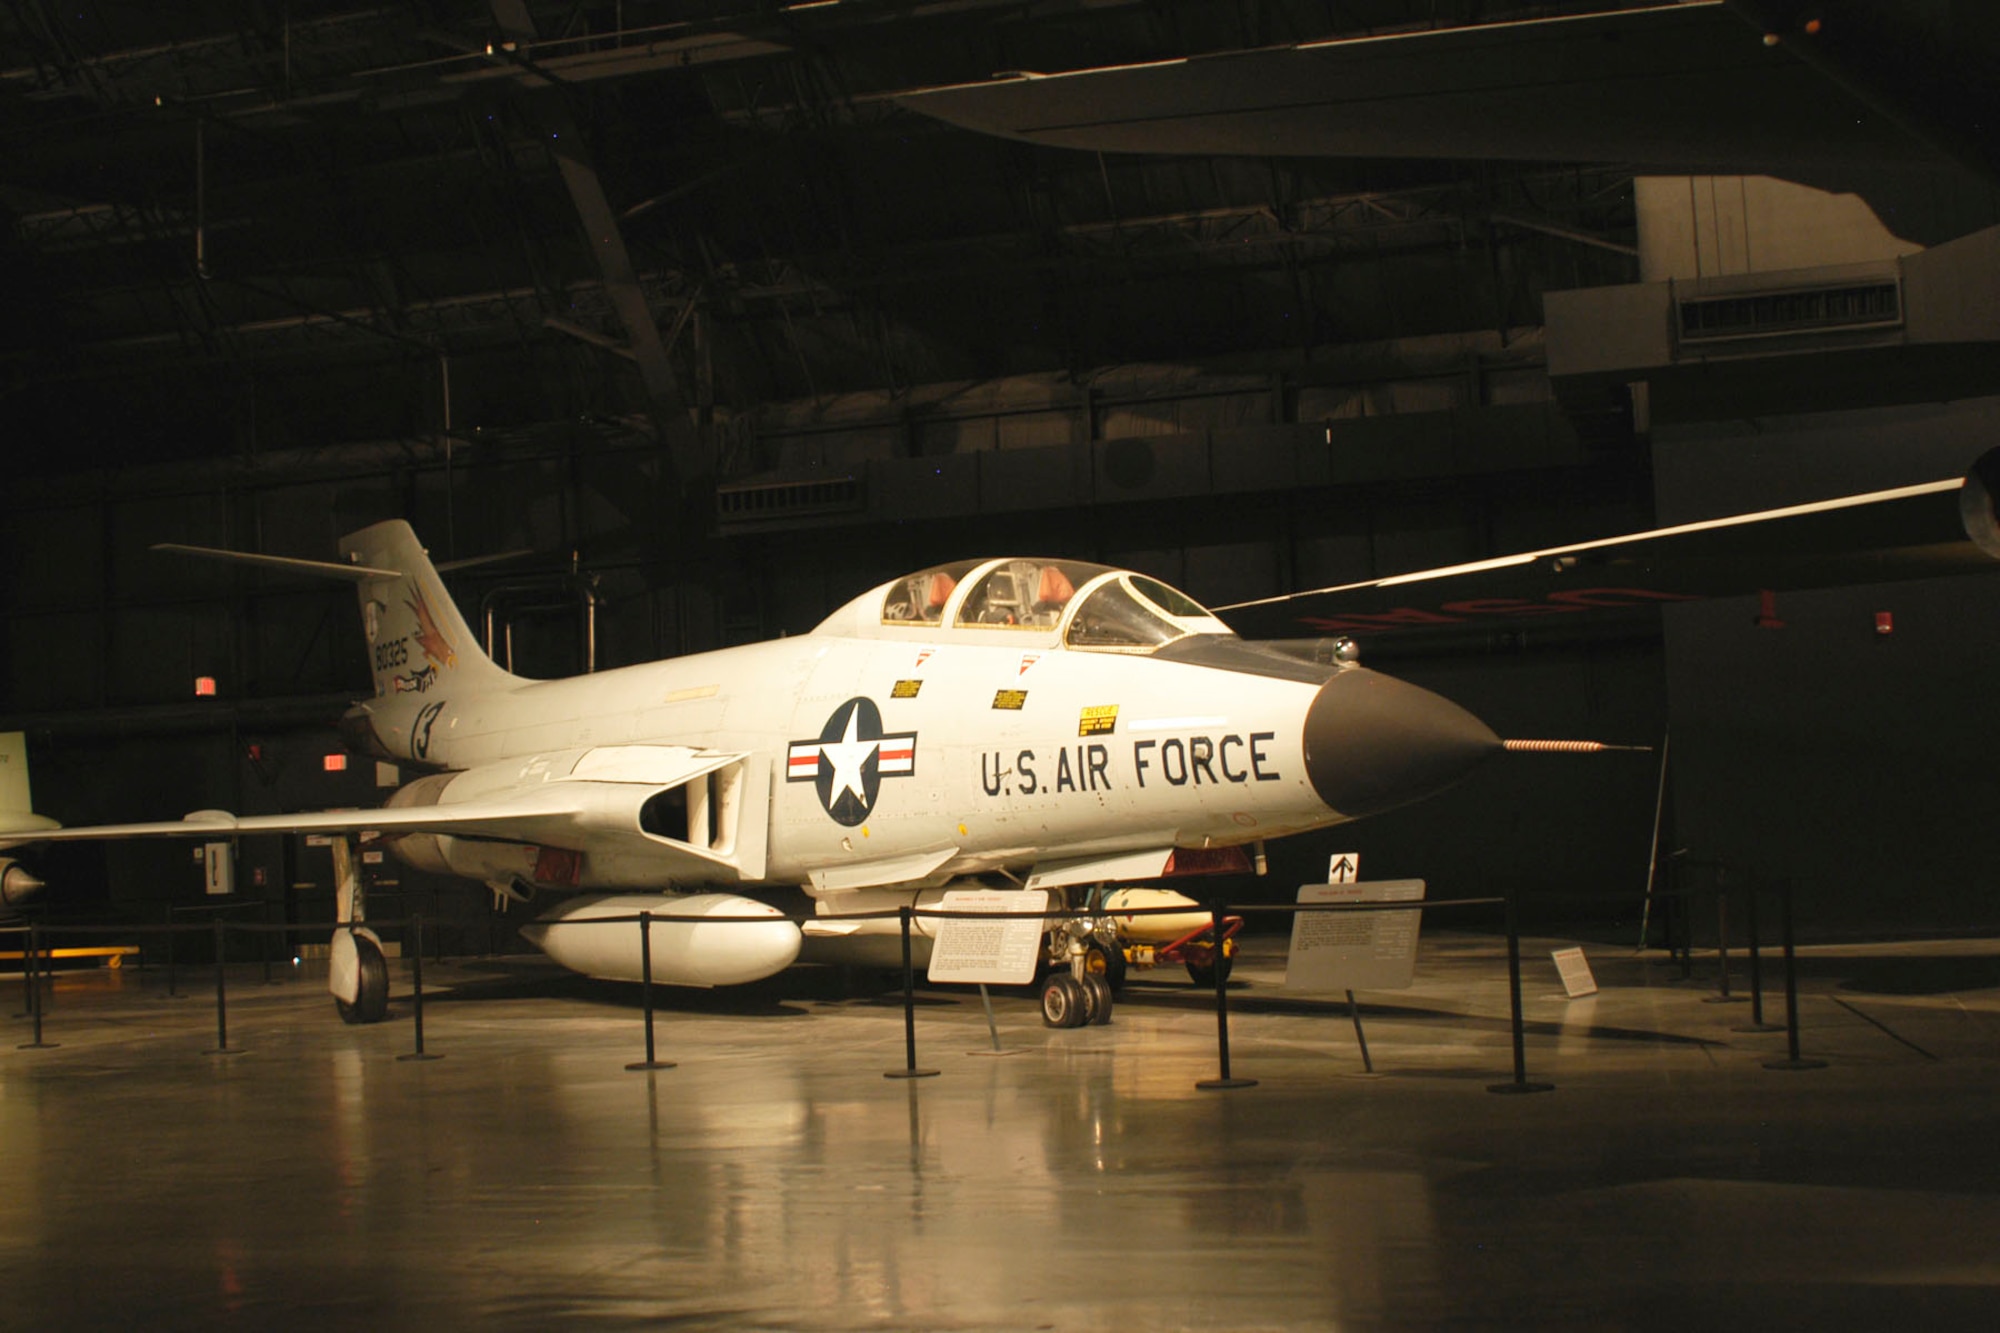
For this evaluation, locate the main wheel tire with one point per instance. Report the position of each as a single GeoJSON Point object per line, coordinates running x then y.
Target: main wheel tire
{"type": "Point", "coordinates": [1064, 1003]}
{"type": "Point", "coordinates": [1099, 990]}
{"type": "Point", "coordinates": [1107, 961]}
{"type": "Point", "coordinates": [371, 1001]}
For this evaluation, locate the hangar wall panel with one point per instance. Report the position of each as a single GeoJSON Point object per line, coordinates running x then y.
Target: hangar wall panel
{"type": "Point", "coordinates": [58, 660]}
{"type": "Point", "coordinates": [55, 557]}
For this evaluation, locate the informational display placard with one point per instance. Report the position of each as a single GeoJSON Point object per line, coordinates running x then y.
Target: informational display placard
{"type": "Point", "coordinates": [998, 953]}
{"type": "Point", "coordinates": [218, 868]}
{"type": "Point", "coordinates": [1342, 951]}
{"type": "Point", "coordinates": [1577, 979]}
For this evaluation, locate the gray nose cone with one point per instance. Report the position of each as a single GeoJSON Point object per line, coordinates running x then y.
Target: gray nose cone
{"type": "Point", "coordinates": [1373, 743]}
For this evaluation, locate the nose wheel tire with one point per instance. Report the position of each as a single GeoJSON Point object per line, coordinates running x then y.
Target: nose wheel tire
{"type": "Point", "coordinates": [371, 1003]}
{"type": "Point", "coordinates": [1069, 1001]}
{"type": "Point", "coordinates": [1065, 1003]}
{"type": "Point", "coordinates": [1098, 991]}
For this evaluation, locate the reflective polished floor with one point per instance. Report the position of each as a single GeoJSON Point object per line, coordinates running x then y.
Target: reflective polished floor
{"type": "Point", "coordinates": [774, 1179]}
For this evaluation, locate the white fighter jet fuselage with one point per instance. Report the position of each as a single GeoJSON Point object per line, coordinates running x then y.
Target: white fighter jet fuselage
{"type": "Point", "coordinates": [1061, 722]}
{"type": "Point", "coordinates": [984, 747]}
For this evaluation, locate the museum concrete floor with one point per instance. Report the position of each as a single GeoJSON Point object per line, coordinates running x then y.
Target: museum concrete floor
{"type": "Point", "coordinates": [775, 1179]}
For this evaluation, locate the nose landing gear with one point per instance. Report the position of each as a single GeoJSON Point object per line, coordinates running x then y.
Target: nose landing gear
{"type": "Point", "coordinates": [1084, 957]}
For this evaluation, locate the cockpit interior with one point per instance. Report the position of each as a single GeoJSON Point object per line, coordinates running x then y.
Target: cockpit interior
{"type": "Point", "coordinates": [1095, 607]}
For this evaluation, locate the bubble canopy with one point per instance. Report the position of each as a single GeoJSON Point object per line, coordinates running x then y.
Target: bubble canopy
{"type": "Point", "coordinates": [1091, 607]}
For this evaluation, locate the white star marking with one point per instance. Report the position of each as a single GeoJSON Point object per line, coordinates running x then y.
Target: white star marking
{"type": "Point", "coordinates": [847, 755]}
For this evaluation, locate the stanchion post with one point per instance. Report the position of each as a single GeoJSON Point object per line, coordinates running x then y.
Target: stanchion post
{"type": "Point", "coordinates": [1224, 1079]}
{"type": "Point", "coordinates": [1791, 987]}
{"type": "Point", "coordinates": [32, 966]}
{"type": "Point", "coordinates": [264, 939]}
{"type": "Point", "coordinates": [173, 968]}
{"type": "Point", "coordinates": [27, 973]}
{"type": "Point", "coordinates": [1520, 1083]}
{"type": "Point", "coordinates": [646, 991]}
{"type": "Point", "coordinates": [221, 998]}
{"type": "Point", "coordinates": [1684, 916]}
{"type": "Point", "coordinates": [417, 991]}
{"type": "Point", "coordinates": [1360, 1037]}
{"type": "Point", "coordinates": [1756, 1024]}
{"type": "Point", "coordinates": [909, 1069]}
{"type": "Point", "coordinates": [1722, 995]}
{"type": "Point", "coordinates": [1722, 932]}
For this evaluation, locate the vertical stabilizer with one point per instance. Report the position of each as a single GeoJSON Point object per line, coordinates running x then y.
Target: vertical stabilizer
{"type": "Point", "coordinates": [418, 643]}
{"type": "Point", "coordinates": [17, 811]}
{"type": "Point", "coordinates": [15, 798]}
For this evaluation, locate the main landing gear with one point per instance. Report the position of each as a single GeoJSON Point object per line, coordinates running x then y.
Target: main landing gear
{"type": "Point", "coordinates": [371, 981]}
{"type": "Point", "coordinates": [357, 973]}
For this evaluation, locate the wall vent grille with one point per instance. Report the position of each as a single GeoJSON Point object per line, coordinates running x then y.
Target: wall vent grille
{"type": "Point", "coordinates": [1844, 307]}
{"type": "Point", "coordinates": [754, 502]}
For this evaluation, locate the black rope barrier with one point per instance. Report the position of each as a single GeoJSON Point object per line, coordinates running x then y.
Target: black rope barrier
{"type": "Point", "coordinates": [905, 917]}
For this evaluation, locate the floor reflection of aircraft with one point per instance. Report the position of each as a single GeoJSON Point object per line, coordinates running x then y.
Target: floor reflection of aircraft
{"type": "Point", "coordinates": [1042, 721]}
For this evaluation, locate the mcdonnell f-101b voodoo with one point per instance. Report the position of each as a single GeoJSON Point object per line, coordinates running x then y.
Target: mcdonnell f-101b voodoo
{"type": "Point", "coordinates": [1070, 722]}
{"type": "Point", "coordinates": [1051, 722]}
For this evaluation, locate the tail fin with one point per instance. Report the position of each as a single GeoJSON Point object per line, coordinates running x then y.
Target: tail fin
{"type": "Point", "coordinates": [17, 803]}
{"type": "Point", "coordinates": [418, 643]}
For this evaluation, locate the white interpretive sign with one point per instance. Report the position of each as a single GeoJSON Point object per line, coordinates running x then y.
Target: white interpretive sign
{"type": "Point", "coordinates": [999, 953]}
{"type": "Point", "coordinates": [1341, 951]}
{"type": "Point", "coordinates": [218, 868]}
{"type": "Point", "coordinates": [1576, 975]}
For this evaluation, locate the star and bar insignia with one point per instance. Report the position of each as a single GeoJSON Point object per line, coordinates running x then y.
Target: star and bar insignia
{"type": "Point", "coordinates": [849, 758]}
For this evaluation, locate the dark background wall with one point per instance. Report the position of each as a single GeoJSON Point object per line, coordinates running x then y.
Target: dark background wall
{"type": "Point", "coordinates": [1858, 764]}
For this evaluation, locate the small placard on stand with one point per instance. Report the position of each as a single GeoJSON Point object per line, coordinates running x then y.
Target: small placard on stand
{"type": "Point", "coordinates": [1348, 951]}
{"type": "Point", "coordinates": [999, 953]}
{"type": "Point", "coordinates": [1577, 980]}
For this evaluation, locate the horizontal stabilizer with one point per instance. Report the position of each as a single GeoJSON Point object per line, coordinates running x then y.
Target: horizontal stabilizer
{"type": "Point", "coordinates": [325, 569]}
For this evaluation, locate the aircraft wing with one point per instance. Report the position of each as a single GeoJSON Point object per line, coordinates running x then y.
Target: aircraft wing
{"type": "Point", "coordinates": [520, 818]}
{"type": "Point", "coordinates": [604, 816]}
{"type": "Point", "coordinates": [1690, 84]}
{"type": "Point", "coordinates": [1941, 527]}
